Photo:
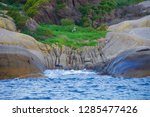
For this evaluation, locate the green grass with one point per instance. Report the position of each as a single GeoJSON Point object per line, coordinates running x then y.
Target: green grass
{"type": "Point", "coordinates": [63, 35]}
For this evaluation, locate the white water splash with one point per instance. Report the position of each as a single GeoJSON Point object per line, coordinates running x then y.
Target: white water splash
{"type": "Point", "coordinates": [60, 73]}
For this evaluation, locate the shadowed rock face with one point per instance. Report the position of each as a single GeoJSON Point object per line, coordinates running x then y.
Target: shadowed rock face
{"type": "Point", "coordinates": [132, 63]}
{"type": "Point", "coordinates": [49, 12]}
{"type": "Point", "coordinates": [18, 62]}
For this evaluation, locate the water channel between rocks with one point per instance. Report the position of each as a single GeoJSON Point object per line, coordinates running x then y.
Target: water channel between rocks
{"type": "Point", "coordinates": [75, 85]}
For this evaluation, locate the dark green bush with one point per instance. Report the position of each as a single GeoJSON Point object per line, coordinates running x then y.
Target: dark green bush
{"type": "Point", "coordinates": [31, 6]}
{"type": "Point", "coordinates": [102, 27]}
{"type": "Point", "coordinates": [66, 22]}
{"type": "Point", "coordinates": [10, 1]}
{"type": "Point", "coordinates": [44, 31]}
{"type": "Point", "coordinates": [19, 19]}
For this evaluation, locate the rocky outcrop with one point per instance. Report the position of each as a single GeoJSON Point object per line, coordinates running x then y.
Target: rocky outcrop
{"type": "Point", "coordinates": [133, 63]}
{"type": "Point", "coordinates": [134, 34]}
{"type": "Point", "coordinates": [18, 62]}
{"type": "Point", "coordinates": [55, 10]}
{"type": "Point", "coordinates": [31, 24]}
{"type": "Point", "coordinates": [131, 12]}
{"type": "Point", "coordinates": [24, 41]}
{"type": "Point", "coordinates": [124, 48]}
{"type": "Point", "coordinates": [7, 23]}
{"type": "Point", "coordinates": [131, 24]}
{"type": "Point", "coordinates": [145, 7]}
{"type": "Point", "coordinates": [53, 57]}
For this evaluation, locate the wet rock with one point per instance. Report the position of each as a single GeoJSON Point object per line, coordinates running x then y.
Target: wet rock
{"type": "Point", "coordinates": [132, 63]}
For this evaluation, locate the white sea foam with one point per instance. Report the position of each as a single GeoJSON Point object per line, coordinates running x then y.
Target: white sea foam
{"type": "Point", "coordinates": [59, 73]}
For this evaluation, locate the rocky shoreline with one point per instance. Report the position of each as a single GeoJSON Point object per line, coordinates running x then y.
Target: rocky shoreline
{"type": "Point", "coordinates": [124, 52]}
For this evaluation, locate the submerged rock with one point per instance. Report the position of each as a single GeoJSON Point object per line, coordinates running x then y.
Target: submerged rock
{"type": "Point", "coordinates": [131, 63]}
{"type": "Point", "coordinates": [18, 62]}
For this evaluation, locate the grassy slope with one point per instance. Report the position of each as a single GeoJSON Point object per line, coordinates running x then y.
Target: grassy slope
{"type": "Point", "coordinates": [63, 35]}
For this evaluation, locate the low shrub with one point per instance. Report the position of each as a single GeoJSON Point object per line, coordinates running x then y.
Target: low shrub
{"type": "Point", "coordinates": [102, 27]}
{"type": "Point", "coordinates": [19, 19]}
{"type": "Point", "coordinates": [31, 6]}
{"type": "Point", "coordinates": [44, 31]}
{"type": "Point", "coordinates": [67, 21]}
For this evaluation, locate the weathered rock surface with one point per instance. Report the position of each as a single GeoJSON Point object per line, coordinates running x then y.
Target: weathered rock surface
{"type": "Point", "coordinates": [7, 24]}
{"type": "Point", "coordinates": [53, 12]}
{"type": "Point", "coordinates": [25, 41]}
{"type": "Point", "coordinates": [31, 24]}
{"type": "Point", "coordinates": [136, 34]}
{"type": "Point", "coordinates": [129, 13]}
{"type": "Point", "coordinates": [122, 41]}
{"type": "Point", "coordinates": [18, 62]}
{"type": "Point", "coordinates": [128, 38]}
{"type": "Point", "coordinates": [131, 24]}
{"type": "Point", "coordinates": [145, 7]}
{"type": "Point", "coordinates": [53, 56]}
{"type": "Point", "coordinates": [132, 63]}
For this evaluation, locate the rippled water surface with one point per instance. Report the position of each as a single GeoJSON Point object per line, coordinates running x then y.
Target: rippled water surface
{"type": "Point", "coordinates": [75, 85]}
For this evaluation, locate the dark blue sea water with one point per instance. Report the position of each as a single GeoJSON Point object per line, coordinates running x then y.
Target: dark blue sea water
{"type": "Point", "coordinates": [75, 85]}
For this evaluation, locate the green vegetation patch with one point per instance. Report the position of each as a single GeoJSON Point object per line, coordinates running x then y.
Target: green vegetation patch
{"type": "Point", "coordinates": [20, 20]}
{"type": "Point", "coordinates": [72, 36]}
{"type": "Point", "coordinates": [14, 9]}
{"type": "Point", "coordinates": [31, 6]}
{"type": "Point", "coordinates": [67, 21]}
{"type": "Point", "coordinates": [91, 13]}
{"type": "Point", "coordinates": [121, 3]}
